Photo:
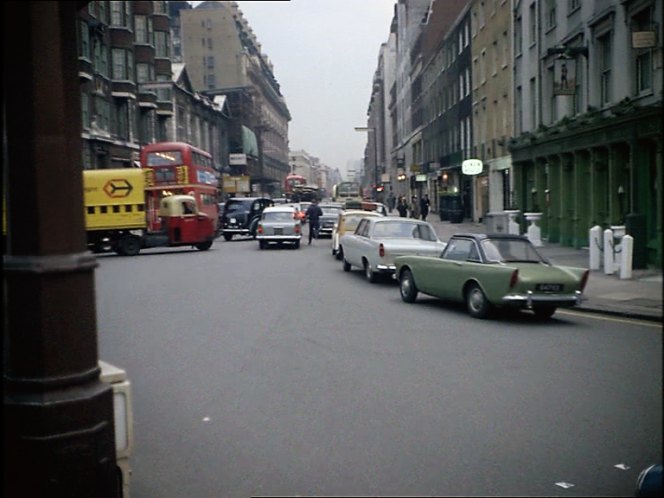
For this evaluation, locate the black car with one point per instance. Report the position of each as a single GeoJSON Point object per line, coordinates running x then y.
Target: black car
{"type": "Point", "coordinates": [241, 215]}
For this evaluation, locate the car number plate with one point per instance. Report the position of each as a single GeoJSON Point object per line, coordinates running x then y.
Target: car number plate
{"type": "Point", "coordinates": [549, 287]}
{"type": "Point", "coordinates": [278, 231]}
{"type": "Point", "coordinates": [233, 220]}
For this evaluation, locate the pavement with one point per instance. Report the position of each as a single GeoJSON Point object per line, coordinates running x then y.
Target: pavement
{"type": "Point", "coordinates": [638, 297]}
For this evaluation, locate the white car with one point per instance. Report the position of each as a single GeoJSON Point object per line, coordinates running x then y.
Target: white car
{"type": "Point", "coordinates": [378, 240]}
{"type": "Point", "coordinates": [278, 225]}
{"type": "Point", "coordinates": [347, 222]}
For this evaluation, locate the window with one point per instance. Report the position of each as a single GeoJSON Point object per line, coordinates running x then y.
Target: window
{"type": "Point", "coordinates": [121, 14]}
{"type": "Point", "coordinates": [533, 24]}
{"type": "Point", "coordinates": [159, 7]}
{"type": "Point", "coordinates": [164, 93]}
{"type": "Point", "coordinates": [518, 36]}
{"type": "Point", "coordinates": [85, 110]}
{"type": "Point", "coordinates": [121, 121]}
{"type": "Point", "coordinates": [123, 64]}
{"type": "Point", "coordinates": [550, 14]}
{"type": "Point", "coordinates": [141, 32]}
{"type": "Point", "coordinates": [573, 5]}
{"type": "Point", "coordinates": [161, 40]}
{"type": "Point", "coordinates": [84, 40]}
{"type": "Point", "coordinates": [100, 57]}
{"type": "Point", "coordinates": [644, 56]}
{"type": "Point", "coordinates": [604, 57]}
{"type": "Point", "coordinates": [144, 72]}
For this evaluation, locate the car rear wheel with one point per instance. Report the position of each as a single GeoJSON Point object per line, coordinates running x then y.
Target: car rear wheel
{"type": "Point", "coordinates": [261, 244]}
{"type": "Point", "coordinates": [340, 254]}
{"type": "Point", "coordinates": [476, 302]}
{"type": "Point", "coordinates": [346, 265]}
{"type": "Point", "coordinates": [228, 236]}
{"type": "Point", "coordinates": [544, 312]}
{"type": "Point", "coordinates": [297, 244]}
{"type": "Point", "coordinates": [407, 287]}
{"type": "Point", "coordinates": [369, 274]}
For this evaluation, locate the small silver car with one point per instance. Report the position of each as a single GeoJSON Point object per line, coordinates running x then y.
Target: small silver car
{"type": "Point", "coordinates": [279, 224]}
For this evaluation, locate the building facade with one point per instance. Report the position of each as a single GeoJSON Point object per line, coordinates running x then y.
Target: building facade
{"type": "Point", "coordinates": [223, 57]}
{"type": "Point", "coordinates": [491, 48]}
{"type": "Point", "coordinates": [588, 106]}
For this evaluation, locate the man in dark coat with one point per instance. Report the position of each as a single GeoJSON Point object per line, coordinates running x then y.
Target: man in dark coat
{"type": "Point", "coordinates": [313, 214]}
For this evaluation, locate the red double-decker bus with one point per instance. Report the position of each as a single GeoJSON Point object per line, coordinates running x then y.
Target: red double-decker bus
{"type": "Point", "coordinates": [179, 168]}
{"type": "Point", "coordinates": [292, 181]}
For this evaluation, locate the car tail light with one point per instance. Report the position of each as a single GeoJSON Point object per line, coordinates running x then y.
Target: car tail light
{"type": "Point", "coordinates": [584, 280]}
{"type": "Point", "coordinates": [298, 229]}
{"type": "Point", "coordinates": [514, 279]}
{"type": "Point", "coordinates": [381, 250]}
{"type": "Point", "coordinates": [260, 228]}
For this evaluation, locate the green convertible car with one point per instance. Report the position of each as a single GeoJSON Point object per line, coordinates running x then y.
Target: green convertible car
{"type": "Point", "coordinates": [494, 270]}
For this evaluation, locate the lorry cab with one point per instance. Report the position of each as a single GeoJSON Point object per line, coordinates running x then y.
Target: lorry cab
{"type": "Point", "coordinates": [183, 222]}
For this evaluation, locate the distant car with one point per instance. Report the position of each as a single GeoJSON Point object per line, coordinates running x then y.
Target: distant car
{"type": "Point", "coordinates": [377, 241]}
{"type": "Point", "coordinates": [279, 200]}
{"type": "Point", "coordinates": [487, 271]}
{"type": "Point", "coordinates": [347, 222]}
{"type": "Point", "coordinates": [279, 224]}
{"type": "Point", "coordinates": [241, 215]}
{"type": "Point", "coordinates": [330, 216]}
{"type": "Point", "coordinates": [366, 206]}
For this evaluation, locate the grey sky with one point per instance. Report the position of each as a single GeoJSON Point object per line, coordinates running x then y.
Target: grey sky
{"type": "Point", "coordinates": [324, 53]}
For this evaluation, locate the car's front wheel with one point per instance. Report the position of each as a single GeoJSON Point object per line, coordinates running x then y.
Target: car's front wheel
{"type": "Point", "coordinates": [476, 302]}
{"type": "Point", "coordinates": [204, 246]}
{"type": "Point", "coordinates": [407, 287]}
{"type": "Point", "coordinates": [228, 236]}
{"type": "Point", "coordinates": [544, 312]}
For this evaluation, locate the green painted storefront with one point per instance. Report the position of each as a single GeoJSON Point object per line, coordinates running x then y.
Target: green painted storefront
{"type": "Point", "coordinates": [595, 170]}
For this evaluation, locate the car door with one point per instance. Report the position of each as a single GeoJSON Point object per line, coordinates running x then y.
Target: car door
{"type": "Point", "coordinates": [453, 268]}
{"type": "Point", "coordinates": [352, 245]}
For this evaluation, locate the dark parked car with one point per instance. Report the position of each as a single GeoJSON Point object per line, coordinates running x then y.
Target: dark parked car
{"type": "Point", "coordinates": [241, 215]}
{"type": "Point", "coordinates": [330, 217]}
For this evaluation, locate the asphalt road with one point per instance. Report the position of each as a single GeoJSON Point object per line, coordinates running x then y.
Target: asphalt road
{"type": "Point", "coordinates": [276, 373]}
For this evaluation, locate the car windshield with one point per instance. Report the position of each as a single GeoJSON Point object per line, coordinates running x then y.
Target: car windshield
{"type": "Point", "coordinates": [403, 230]}
{"type": "Point", "coordinates": [330, 211]}
{"type": "Point", "coordinates": [237, 206]}
{"type": "Point", "coordinates": [510, 251]}
{"type": "Point", "coordinates": [278, 216]}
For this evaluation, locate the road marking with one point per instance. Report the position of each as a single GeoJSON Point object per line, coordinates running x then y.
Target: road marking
{"type": "Point", "coordinates": [597, 316]}
{"type": "Point", "coordinates": [622, 466]}
{"type": "Point", "coordinates": [565, 485]}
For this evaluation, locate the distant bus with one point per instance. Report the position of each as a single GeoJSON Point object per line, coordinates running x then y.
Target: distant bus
{"type": "Point", "coordinates": [179, 168]}
{"type": "Point", "coordinates": [292, 181]}
{"type": "Point", "coordinates": [344, 191]}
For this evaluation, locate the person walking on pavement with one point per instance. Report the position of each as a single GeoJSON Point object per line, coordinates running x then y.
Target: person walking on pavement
{"type": "Point", "coordinates": [414, 208]}
{"type": "Point", "coordinates": [424, 206]}
{"type": "Point", "coordinates": [312, 216]}
{"type": "Point", "coordinates": [390, 202]}
{"type": "Point", "coordinates": [402, 206]}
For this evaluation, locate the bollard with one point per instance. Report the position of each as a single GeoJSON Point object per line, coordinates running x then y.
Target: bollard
{"type": "Point", "coordinates": [608, 252]}
{"type": "Point", "coordinates": [595, 239]}
{"type": "Point", "coordinates": [618, 234]}
{"type": "Point", "coordinates": [626, 257]}
{"type": "Point", "coordinates": [512, 226]}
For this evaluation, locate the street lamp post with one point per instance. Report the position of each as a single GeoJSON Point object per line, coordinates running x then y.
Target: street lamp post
{"type": "Point", "coordinates": [373, 129]}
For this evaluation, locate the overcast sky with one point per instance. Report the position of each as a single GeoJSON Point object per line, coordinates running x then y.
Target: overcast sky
{"type": "Point", "coordinates": [324, 53]}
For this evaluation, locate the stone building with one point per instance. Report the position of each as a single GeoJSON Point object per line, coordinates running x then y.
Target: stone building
{"type": "Point", "coordinates": [223, 57]}
{"type": "Point", "coordinates": [491, 47]}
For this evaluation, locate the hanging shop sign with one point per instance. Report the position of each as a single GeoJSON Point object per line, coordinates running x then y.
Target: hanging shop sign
{"type": "Point", "coordinates": [471, 167]}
